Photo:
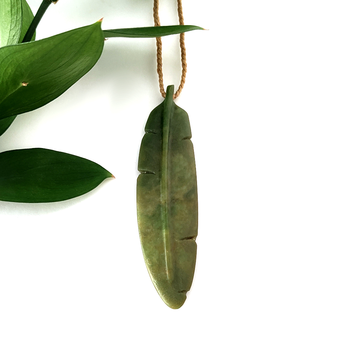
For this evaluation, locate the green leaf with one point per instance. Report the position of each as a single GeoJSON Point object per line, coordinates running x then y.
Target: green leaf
{"type": "Point", "coordinates": [36, 20]}
{"type": "Point", "coordinates": [148, 32]}
{"type": "Point", "coordinates": [40, 175]}
{"type": "Point", "coordinates": [167, 201]}
{"type": "Point", "coordinates": [10, 21]}
{"type": "Point", "coordinates": [35, 73]}
{"type": "Point", "coordinates": [6, 123]}
{"type": "Point", "coordinates": [15, 18]}
{"type": "Point", "coordinates": [27, 17]}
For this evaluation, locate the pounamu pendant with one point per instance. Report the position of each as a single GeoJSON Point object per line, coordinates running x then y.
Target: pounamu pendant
{"type": "Point", "coordinates": [167, 205]}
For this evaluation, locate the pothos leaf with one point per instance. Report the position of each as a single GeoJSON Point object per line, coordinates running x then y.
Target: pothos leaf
{"type": "Point", "coordinates": [35, 73]}
{"type": "Point", "coordinates": [148, 32]}
{"type": "Point", "coordinates": [39, 175]}
{"type": "Point", "coordinates": [167, 201]}
{"type": "Point", "coordinates": [27, 17]}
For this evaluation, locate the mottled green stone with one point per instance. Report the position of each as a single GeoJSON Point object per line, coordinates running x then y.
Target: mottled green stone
{"type": "Point", "coordinates": [167, 204]}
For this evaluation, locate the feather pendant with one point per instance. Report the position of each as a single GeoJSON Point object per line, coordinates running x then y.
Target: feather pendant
{"type": "Point", "coordinates": [167, 205]}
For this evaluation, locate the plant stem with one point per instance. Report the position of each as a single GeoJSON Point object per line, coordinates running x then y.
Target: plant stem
{"type": "Point", "coordinates": [37, 18]}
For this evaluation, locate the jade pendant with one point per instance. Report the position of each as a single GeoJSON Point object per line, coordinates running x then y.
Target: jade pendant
{"type": "Point", "coordinates": [167, 204]}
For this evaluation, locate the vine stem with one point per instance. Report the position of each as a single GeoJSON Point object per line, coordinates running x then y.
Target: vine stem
{"type": "Point", "coordinates": [37, 18]}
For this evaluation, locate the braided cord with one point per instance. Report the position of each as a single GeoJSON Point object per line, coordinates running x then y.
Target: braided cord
{"type": "Point", "coordinates": [159, 50]}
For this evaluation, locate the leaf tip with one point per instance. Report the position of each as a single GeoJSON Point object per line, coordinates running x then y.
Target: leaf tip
{"type": "Point", "coordinates": [109, 175]}
{"type": "Point", "coordinates": [200, 28]}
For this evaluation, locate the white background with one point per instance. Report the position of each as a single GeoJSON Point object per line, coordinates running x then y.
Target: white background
{"type": "Point", "coordinates": [267, 92]}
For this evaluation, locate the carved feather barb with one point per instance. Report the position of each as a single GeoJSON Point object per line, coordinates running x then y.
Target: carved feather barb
{"type": "Point", "coordinates": [167, 205]}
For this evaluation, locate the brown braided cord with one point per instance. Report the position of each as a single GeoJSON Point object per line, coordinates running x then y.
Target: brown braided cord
{"type": "Point", "coordinates": [159, 49]}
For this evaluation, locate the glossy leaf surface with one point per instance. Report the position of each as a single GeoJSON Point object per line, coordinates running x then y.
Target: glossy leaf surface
{"type": "Point", "coordinates": [35, 73]}
{"type": "Point", "coordinates": [167, 201]}
{"type": "Point", "coordinates": [26, 18]}
{"type": "Point", "coordinates": [39, 175]}
{"type": "Point", "coordinates": [149, 32]}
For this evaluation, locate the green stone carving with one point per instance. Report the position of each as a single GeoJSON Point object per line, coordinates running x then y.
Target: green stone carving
{"type": "Point", "coordinates": [167, 205]}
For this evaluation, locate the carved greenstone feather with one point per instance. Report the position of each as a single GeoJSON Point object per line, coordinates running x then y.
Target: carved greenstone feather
{"type": "Point", "coordinates": [167, 205]}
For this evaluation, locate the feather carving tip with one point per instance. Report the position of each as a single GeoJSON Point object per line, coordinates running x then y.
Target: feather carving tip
{"type": "Point", "coordinates": [173, 299]}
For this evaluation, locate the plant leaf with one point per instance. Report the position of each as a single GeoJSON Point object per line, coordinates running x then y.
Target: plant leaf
{"type": "Point", "coordinates": [38, 175]}
{"type": "Point", "coordinates": [167, 201]}
{"type": "Point", "coordinates": [27, 17]}
{"type": "Point", "coordinates": [148, 32]}
{"type": "Point", "coordinates": [35, 73]}
{"type": "Point", "coordinates": [10, 21]}
{"type": "Point", "coordinates": [6, 123]}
